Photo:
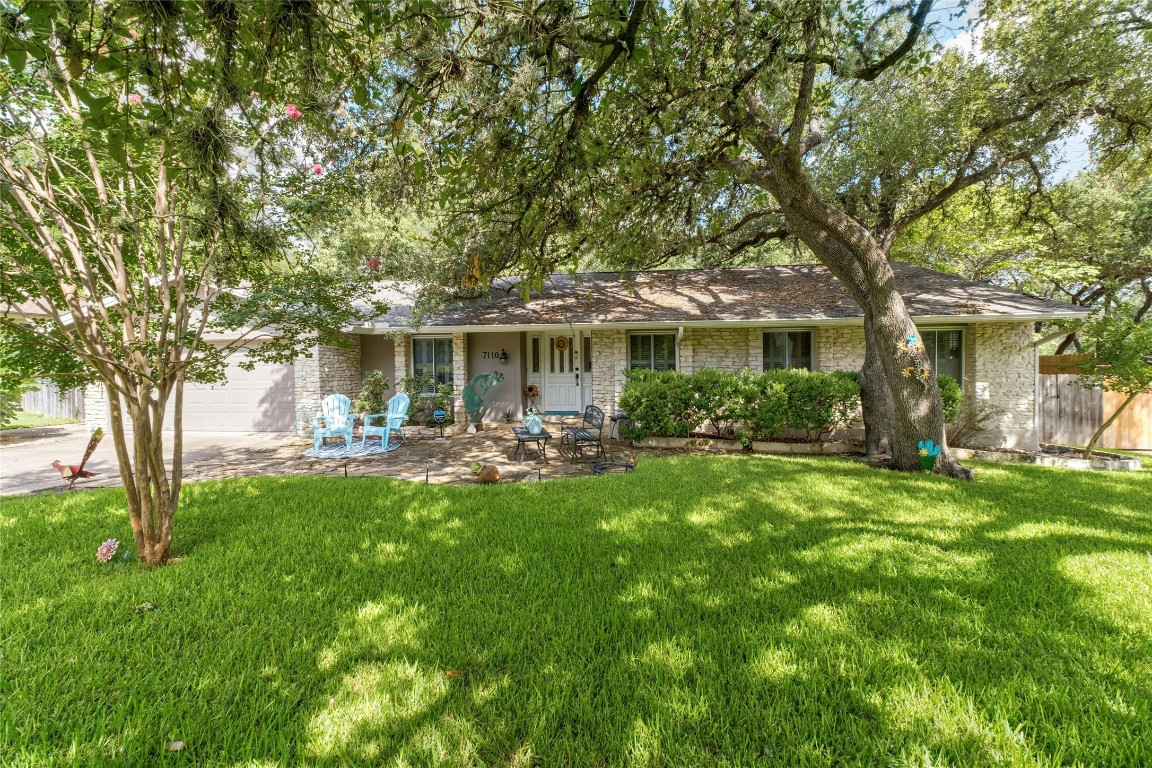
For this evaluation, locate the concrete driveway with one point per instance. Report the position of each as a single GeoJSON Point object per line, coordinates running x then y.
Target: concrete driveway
{"type": "Point", "coordinates": [26, 455]}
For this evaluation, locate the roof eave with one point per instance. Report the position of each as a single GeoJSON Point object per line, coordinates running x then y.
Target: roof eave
{"type": "Point", "coordinates": [985, 317]}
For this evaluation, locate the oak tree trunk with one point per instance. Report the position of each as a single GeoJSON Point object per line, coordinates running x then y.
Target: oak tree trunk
{"type": "Point", "coordinates": [875, 401]}
{"type": "Point", "coordinates": [910, 409]}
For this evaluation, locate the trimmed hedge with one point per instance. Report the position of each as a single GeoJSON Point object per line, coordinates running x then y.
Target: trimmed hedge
{"type": "Point", "coordinates": [760, 406]}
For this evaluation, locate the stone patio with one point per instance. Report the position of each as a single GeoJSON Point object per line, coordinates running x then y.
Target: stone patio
{"type": "Point", "coordinates": [421, 458]}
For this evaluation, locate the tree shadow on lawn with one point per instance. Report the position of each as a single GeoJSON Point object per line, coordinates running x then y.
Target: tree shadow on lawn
{"type": "Point", "coordinates": [739, 609]}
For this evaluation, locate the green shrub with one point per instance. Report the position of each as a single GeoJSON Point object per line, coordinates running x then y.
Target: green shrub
{"type": "Point", "coordinates": [720, 398]}
{"type": "Point", "coordinates": [813, 402]}
{"type": "Point", "coordinates": [951, 394]}
{"type": "Point", "coordinates": [766, 404]}
{"type": "Point", "coordinates": [658, 404]}
{"type": "Point", "coordinates": [672, 404]}
{"type": "Point", "coordinates": [425, 403]}
{"type": "Point", "coordinates": [371, 398]}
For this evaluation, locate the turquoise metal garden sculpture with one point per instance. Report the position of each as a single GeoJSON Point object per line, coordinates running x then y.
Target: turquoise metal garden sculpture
{"type": "Point", "coordinates": [474, 392]}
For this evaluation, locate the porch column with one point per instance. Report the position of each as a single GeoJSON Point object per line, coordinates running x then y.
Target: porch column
{"type": "Point", "coordinates": [459, 375]}
{"type": "Point", "coordinates": [609, 359]}
{"type": "Point", "coordinates": [401, 347]}
{"type": "Point", "coordinates": [327, 370]}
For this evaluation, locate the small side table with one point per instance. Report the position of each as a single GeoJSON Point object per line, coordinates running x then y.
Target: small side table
{"type": "Point", "coordinates": [523, 436]}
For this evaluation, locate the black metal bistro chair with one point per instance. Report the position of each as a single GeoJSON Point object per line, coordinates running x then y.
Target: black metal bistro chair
{"type": "Point", "coordinates": [590, 432]}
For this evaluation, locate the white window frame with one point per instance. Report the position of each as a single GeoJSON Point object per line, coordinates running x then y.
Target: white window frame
{"type": "Point", "coordinates": [412, 360]}
{"type": "Point", "coordinates": [812, 347]}
{"type": "Point", "coordinates": [675, 348]}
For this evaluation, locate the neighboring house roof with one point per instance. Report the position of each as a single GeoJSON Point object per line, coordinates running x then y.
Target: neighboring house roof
{"type": "Point", "coordinates": [752, 296]}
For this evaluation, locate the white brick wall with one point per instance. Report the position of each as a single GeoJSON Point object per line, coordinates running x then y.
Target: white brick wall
{"type": "Point", "coordinates": [459, 375]}
{"type": "Point", "coordinates": [609, 359]}
{"type": "Point", "coordinates": [402, 346]}
{"type": "Point", "coordinates": [838, 348]}
{"type": "Point", "coordinates": [1002, 371]}
{"type": "Point", "coordinates": [723, 349]}
{"type": "Point", "coordinates": [329, 370]}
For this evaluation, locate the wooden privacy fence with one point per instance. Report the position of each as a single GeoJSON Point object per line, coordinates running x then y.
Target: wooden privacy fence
{"type": "Point", "coordinates": [47, 401]}
{"type": "Point", "coordinates": [1070, 415]}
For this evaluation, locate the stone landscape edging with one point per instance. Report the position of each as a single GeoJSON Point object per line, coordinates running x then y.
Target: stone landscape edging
{"type": "Point", "coordinates": [735, 446]}
{"type": "Point", "coordinates": [1108, 462]}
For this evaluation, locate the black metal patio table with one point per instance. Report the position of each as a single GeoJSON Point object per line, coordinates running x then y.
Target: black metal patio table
{"type": "Point", "coordinates": [523, 436]}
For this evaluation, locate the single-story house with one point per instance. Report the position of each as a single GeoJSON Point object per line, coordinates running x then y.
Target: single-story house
{"type": "Point", "coordinates": [576, 340]}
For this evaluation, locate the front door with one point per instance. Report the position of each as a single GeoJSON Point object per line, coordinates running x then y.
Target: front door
{"type": "Point", "coordinates": [561, 374]}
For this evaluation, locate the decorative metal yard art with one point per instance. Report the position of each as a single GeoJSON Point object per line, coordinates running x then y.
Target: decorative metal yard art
{"type": "Point", "coordinates": [473, 395]}
{"type": "Point", "coordinates": [73, 472]}
{"type": "Point", "coordinates": [915, 349]}
{"type": "Point", "coordinates": [928, 453]}
{"type": "Point", "coordinates": [531, 392]}
{"type": "Point", "coordinates": [439, 417]}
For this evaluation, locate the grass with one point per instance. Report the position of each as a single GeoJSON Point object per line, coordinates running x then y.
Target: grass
{"type": "Point", "coordinates": [703, 611]}
{"type": "Point", "coordinates": [24, 420]}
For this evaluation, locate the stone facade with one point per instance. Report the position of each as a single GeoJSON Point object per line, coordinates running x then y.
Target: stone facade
{"type": "Point", "coordinates": [838, 348]}
{"type": "Point", "coordinates": [724, 349]}
{"type": "Point", "coordinates": [609, 359]}
{"type": "Point", "coordinates": [328, 370]}
{"type": "Point", "coordinates": [1000, 369]}
{"type": "Point", "coordinates": [459, 375]}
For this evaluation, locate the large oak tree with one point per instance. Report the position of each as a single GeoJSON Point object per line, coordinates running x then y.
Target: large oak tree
{"type": "Point", "coordinates": [635, 132]}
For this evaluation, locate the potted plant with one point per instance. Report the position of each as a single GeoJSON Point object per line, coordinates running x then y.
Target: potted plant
{"type": "Point", "coordinates": [372, 395]}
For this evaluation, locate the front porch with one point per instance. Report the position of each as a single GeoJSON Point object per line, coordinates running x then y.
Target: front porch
{"type": "Point", "coordinates": [558, 363]}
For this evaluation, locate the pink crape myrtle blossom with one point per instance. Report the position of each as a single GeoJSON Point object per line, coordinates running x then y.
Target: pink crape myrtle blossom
{"type": "Point", "coordinates": [374, 263]}
{"type": "Point", "coordinates": [292, 112]}
{"type": "Point", "coordinates": [317, 169]}
{"type": "Point", "coordinates": [107, 550]}
{"type": "Point", "coordinates": [134, 99]}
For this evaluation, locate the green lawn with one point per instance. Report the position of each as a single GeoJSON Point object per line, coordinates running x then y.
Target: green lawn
{"type": "Point", "coordinates": [704, 611]}
{"type": "Point", "coordinates": [24, 420]}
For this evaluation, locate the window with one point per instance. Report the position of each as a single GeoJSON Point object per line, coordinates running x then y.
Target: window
{"type": "Point", "coordinates": [535, 354]}
{"type": "Point", "coordinates": [432, 358]}
{"type": "Point", "coordinates": [945, 352]}
{"type": "Point", "coordinates": [587, 353]}
{"type": "Point", "coordinates": [787, 349]}
{"type": "Point", "coordinates": [653, 351]}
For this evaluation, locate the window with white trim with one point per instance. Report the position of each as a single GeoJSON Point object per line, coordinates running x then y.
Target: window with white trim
{"type": "Point", "coordinates": [944, 350]}
{"type": "Point", "coordinates": [652, 351]}
{"type": "Point", "coordinates": [787, 349]}
{"type": "Point", "coordinates": [432, 359]}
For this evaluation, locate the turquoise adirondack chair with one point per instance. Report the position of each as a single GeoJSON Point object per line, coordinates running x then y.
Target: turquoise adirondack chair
{"type": "Point", "coordinates": [336, 418]}
{"type": "Point", "coordinates": [393, 420]}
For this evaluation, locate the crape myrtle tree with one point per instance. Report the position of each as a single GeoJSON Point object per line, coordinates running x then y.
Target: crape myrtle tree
{"type": "Point", "coordinates": [156, 189]}
{"type": "Point", "coordinates": [639, 132]}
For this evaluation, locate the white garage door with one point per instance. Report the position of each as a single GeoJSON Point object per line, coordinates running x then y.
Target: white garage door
{"type": "Point", "coordinates": [260, 400]}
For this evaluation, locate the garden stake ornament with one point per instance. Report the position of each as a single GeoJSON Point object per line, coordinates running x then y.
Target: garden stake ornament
{"type": "Point", "coordinates": [928, 453]}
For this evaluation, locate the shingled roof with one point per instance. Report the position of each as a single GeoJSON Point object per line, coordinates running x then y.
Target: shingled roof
{"type": "Point", "coordinates": [754, 295]}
